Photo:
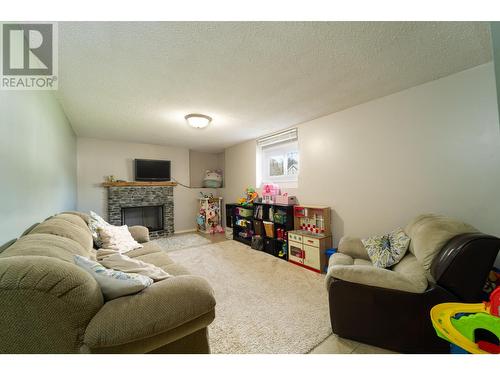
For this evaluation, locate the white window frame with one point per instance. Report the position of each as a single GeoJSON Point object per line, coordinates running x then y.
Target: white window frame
{"type": "Point", "coordinates": [278, 144]}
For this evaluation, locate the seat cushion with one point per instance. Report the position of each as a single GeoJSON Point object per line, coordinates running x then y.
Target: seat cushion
{"type": "Point", "coordinates": [64, 228]}
{"type": "Point", "coordinates": [408, 275]}
{"type": "Point", "coordinates": [429, 233]}
{"type": "Point", "coordinates": [159, 259]}
{"type": "Point", "coordinates": [46, 245]}
{"type": "Point", "coordinates": [163, 306]}
{"type": "Point", "coordinates": [148, 248]}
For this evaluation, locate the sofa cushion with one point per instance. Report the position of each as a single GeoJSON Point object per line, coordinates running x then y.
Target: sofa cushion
{"type": "Point", "coordinates": [159, 259]}
{"type": "Point", "coordinates": [161, 307]}
{"type": "Point", "coordinates": [148, 248]}
{"type": "Point", "coordinates": [139, 233]}
{"type": "Point", "coordinates": [64, 228]}
{"type": "Point", "coordinates": [429, 233]}
{"type": "Point", "coordinates": [46, 245]}
{"type": "Point", "coordinates": [378, 277]}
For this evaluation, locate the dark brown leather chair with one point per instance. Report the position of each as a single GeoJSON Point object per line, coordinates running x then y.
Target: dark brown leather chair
{"type": "Point", "coordinates": [399, 320]}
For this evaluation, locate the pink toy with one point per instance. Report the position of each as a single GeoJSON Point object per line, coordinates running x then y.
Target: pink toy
{"type": "Point", "coordinates": [270, 189]}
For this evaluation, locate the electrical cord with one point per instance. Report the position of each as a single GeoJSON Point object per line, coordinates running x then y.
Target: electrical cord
{"type": "Point", "coordinates": [191, 187]}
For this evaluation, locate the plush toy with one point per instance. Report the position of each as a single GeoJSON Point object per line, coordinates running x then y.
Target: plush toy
{"type": "Point", "coordinates": [212, 179]}
{"type": "Point", "coordinates": [250, 196]}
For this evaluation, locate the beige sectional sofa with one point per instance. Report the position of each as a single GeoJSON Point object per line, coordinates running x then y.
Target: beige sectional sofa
{"type": "Point", "coordinates": [50, 305]}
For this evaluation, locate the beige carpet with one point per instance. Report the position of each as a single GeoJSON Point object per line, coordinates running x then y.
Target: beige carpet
{"type": "Point", "coordinates": [264, 304]}
{"type": "Point", "coordinates": [181, 241]}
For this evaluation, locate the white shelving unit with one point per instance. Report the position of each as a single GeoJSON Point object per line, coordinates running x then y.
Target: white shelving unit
{"type": "Point", "coordinates": [209, 213]}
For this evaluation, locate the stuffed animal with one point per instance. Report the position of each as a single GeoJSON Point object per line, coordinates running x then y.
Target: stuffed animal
{"type": "Point", "coordinates": [250, 196]}
{"type": "Point", "coordinates": [212, 179]}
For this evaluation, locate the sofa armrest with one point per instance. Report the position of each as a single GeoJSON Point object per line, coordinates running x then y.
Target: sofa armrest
{"type": "Point", "coordinates": [46, 304]}
{"type": "Point", "coordinates": [139, 233]}
{"type": "Point", "coordinates": [353, 247]}
{"type": "Point", "coordinates": [161, 307]}
{"type": "Point", "coordinates": [378, 277]}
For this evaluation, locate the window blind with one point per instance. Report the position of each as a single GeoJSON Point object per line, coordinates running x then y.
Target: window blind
{"type": "Point", "coordinates": [289, 135]}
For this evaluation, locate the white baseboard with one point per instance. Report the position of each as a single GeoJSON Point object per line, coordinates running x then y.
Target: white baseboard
{"type": "Point", "coordinates": [185, 231]}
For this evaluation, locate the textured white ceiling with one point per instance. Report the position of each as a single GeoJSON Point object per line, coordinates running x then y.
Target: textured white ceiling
{"type": "Point", "coordinates": [135, 81]}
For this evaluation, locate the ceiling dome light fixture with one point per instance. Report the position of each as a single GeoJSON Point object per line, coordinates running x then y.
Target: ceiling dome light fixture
{"type": "Point", "coordinates": [197, 120]}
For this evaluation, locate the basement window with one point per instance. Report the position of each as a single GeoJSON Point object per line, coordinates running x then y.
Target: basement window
{"type": "Point", "coordinates": [278, 159]}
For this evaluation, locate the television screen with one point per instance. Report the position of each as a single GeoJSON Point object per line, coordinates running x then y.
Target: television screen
{"type": "Point", "coordinates": [152, 170]}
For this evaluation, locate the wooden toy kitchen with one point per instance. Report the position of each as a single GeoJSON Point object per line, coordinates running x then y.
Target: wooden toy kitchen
{"type": "Point", "coordinates": [311, 237]}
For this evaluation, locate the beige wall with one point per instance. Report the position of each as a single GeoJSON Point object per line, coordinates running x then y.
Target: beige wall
{"type": "Point", "coordinates": [431, 148]}
{"type": "Point", "coordinates": [199, 162]}
{"type": "Point", "coordinates": [37, 160]}
{"type": "Point", "coordinates": [100, 158]}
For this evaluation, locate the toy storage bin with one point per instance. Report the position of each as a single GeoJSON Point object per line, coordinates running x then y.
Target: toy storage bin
{"type": "Point", "coordinates": [243, 212]}
{"type": "Point", "coordinates": [269, 228]}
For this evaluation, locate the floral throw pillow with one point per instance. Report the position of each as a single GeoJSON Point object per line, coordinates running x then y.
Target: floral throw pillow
{"type": "Point", "coordinates": [387, 250]}
{"type": "Point", "coordinates": [95, 223]}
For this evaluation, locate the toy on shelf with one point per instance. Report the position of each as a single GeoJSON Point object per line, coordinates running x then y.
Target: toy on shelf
{"type": "Point", "coordinates": [474, 327]}
{"type": "Point", "coordinates": [250, 196]}
{"type": "Point", "coordinates": [209, 215]}
{"type": "Point", "coordinates": [269, 192]}
{"type": "Point", "coordinates": [213, 178]}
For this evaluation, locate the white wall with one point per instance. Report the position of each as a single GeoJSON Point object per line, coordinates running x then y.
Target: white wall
{"type": "Point", "coordinates": [37, 161]}
{"type": "Point", "coordinates": [199, 162]}
{"type": "Point", "coordinates": [100, 158]}
{"type": "Point", "coordinates": [431, 148]}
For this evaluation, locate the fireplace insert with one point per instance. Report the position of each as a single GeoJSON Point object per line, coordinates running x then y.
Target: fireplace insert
{"type": "Point", "coordinates": [150, 217]}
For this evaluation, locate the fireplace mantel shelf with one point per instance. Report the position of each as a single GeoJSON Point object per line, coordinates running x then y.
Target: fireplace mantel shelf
{"type": "Point", "coordinates": [139, 183]}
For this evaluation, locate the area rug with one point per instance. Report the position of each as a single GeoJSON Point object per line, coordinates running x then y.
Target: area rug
{"type": "Point", "coordinates": [181, 241]}
{"type": "Point", "coordinates": [264, 304]}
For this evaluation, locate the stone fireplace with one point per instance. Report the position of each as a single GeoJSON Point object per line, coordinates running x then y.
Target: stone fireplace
{"type": "Point", "coordinates": [150, 206]}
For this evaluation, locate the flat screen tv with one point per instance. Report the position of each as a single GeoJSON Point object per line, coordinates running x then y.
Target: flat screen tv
{"type": "Point", "coordinates": [152, 170]}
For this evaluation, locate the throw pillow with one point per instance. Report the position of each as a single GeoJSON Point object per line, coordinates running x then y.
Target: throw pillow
{"type": "Point", "coordinates": [117, 238]}
{"type": "Point", "coordinates": [113, 283]}
{"type": "Point", "coordinates": [96, 222]}
{"type": "Point", "coordinates": [387, 250]}
{"type": "Point", "coordinates": [400, 242]}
